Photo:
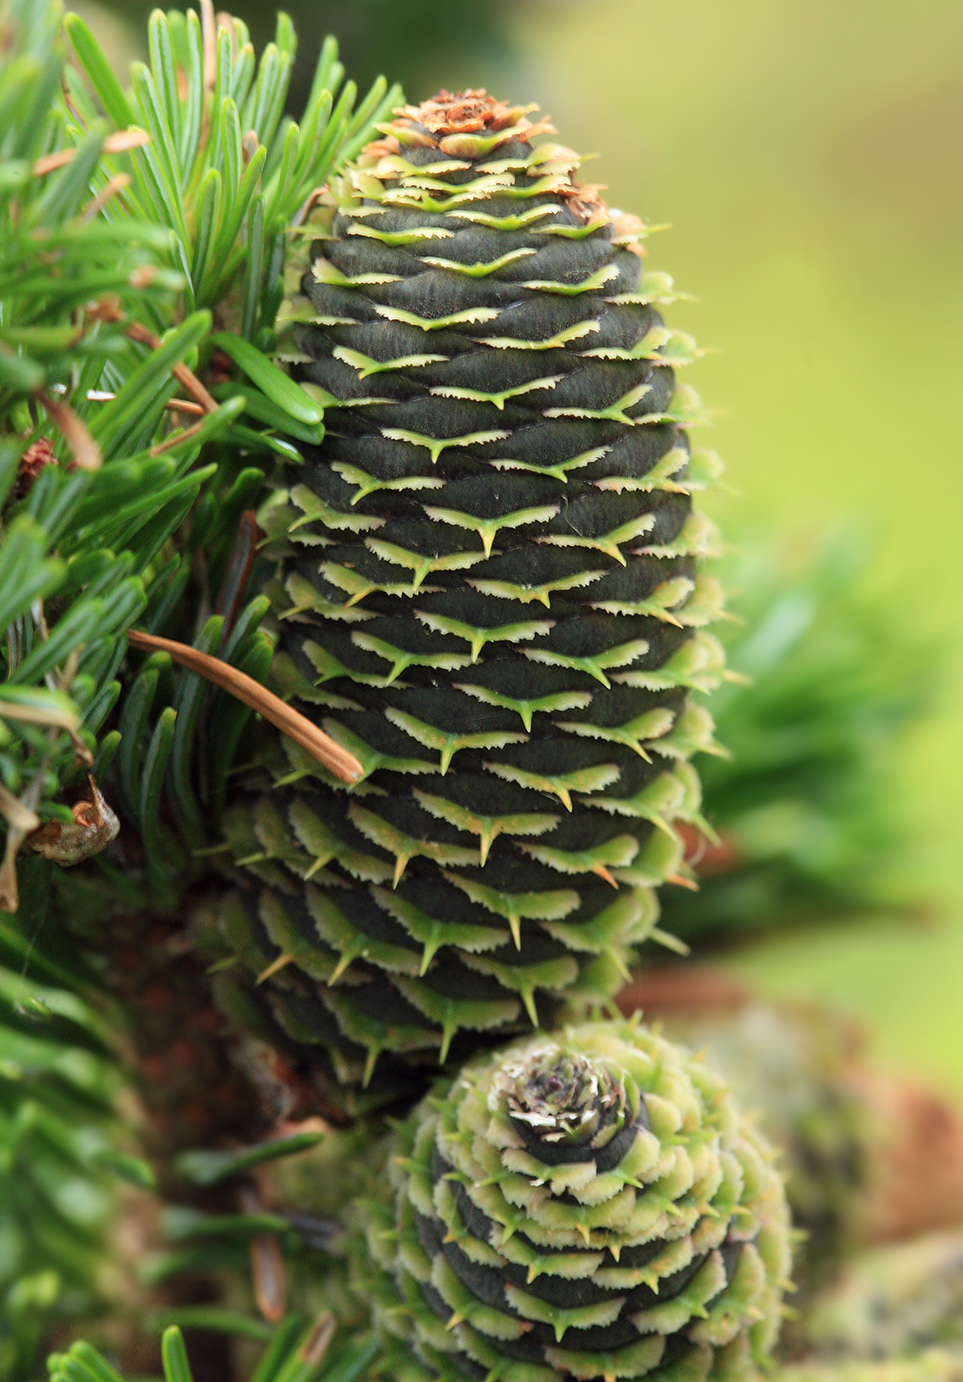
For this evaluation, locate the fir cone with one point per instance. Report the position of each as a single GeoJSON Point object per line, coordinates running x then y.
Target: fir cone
{"type": "Point", "coordinates": [489, 594]}
{"type": "Point", "coordinates": [586, 1205]}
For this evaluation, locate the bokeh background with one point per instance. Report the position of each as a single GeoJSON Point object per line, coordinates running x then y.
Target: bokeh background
{"type": "Point", "coordinates": [807, 155]}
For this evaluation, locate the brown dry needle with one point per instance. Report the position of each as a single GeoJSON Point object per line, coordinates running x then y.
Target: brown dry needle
{"type": "Point", "coordinates": [289, 721]}
{"type": "Point", "coordinates": [185, 376]}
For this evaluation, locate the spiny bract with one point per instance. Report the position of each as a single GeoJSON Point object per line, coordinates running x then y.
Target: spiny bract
{"type": "Point", "coordinates": [488, 594]}
{"type": "Point", "coordinates": [588, 1205]}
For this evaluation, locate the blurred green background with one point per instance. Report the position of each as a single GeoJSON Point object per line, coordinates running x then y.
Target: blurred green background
{"type": "Point", "coordinates": [808, 157]}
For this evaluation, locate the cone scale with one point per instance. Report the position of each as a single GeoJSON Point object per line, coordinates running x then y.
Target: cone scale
{"type": "Point", "coordinates": [588, 1205]}
{"type": "Point", "coordinates": [489, 593]}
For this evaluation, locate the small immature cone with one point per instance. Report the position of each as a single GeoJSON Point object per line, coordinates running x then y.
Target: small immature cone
{"type": "Point", "coordinates": [583, 1205]}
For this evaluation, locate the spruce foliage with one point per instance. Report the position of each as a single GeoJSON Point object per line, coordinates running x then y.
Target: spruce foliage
{"type": "Point", "coordinates": [143, 234]}
{"type": "Point", "coordinates": [290, 1355]}
{"type": "Point", "coordinates": [131, 220]}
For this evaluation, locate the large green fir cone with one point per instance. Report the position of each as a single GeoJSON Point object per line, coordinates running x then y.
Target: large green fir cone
{"type": "Point", "coordinates": [585, 1205]}
{"type": "Point", "coordinates": [489, 594]}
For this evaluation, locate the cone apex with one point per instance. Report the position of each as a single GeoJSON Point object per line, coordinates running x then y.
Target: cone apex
{"type": "Point", "coordinates": [469, 112]}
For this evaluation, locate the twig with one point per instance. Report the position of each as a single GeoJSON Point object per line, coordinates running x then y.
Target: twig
{"type": "Point", "coordinates": [234, 584]}
{"type": "Point", "coordinates": [318, 1342]}
{"type": "Point", "coordinates": [173, 405]}
{"type": "Point", "coordinates": [187, 377]}
{"type": "Point", "coordinates": [267, 1263]}
{"type": "Point", "coordinates": [289, 721]}
{"type": "Point", "coordinates": [209, 31]}
{"type": "Point", "coordinates": [110, 189]}
{"type": "Point", "coordinates": [29, 800]}
{"type": "Point", "coordinates": [15, 813]}
{"type": "Point", "coordinates": [176, 438]}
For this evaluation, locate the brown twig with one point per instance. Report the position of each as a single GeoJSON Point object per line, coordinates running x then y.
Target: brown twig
{"type": "Point", "coordinates": [15, 813]}
{"type": "Point", "coordinates": [267, 1263]}
{"type": "Point", "coordinates": [209, 32]}
{"type": "Point", "coordinates": [234, 584]}
{"type": "Point", "coordinates": [173, 405]}
{"type": "Point", "coordinates": [318, 1341]}
{"type": "Point", "coordinates": [296, 726]}
{"type": "Point", "coordinates": [29, 800]}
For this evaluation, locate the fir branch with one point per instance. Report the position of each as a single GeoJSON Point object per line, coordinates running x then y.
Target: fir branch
{"type": "Point", "coordinates": [109, 300]}
{"type": "Point", "coordinates": [130, 228]}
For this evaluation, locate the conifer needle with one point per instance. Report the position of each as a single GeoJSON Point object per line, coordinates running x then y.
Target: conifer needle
{"type": "Point", "coordinates": [244, 688]}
